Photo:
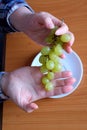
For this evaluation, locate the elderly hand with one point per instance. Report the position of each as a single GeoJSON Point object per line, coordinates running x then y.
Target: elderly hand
{"type": "Point", "coordinates": [38, 25]}
{"type": "Point", "coordinates": [24, 87]}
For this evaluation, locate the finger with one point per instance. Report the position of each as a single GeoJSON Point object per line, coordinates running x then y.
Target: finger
{"type": "Point", "coordinates": [25, 101]}
{"type": "Point", "coordinates": [67, 47]}
{"type": "Point", "coordinates": [67, 89]}
{"type": "Point", "coordinates": [64, 82]}
{"type": "Point", "coordinates": [63, 89]}
{"type": "Point", "coordinates": [62, 56]}
{"type": "Point", "coordinates": [62, 29]}
{"type": "Point", "coordinates": [31, 107]}
{"type": "Point", "coordinates": [63, 74]}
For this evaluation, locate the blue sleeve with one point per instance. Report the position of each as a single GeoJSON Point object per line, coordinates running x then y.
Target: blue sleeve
{"type": "Point", "coordinates": [3, 97]}
{"type": "Point", "coordinates": [10, 3]}
{"type": "Point", "coordinates": [6, 6]}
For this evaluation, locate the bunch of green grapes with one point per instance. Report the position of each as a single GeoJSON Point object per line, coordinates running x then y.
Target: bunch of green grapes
{"type": "Point", "coordinates": [50, 57]}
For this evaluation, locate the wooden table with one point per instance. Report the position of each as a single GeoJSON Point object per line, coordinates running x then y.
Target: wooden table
{"type": "Point", "coordinates": [69, 113]}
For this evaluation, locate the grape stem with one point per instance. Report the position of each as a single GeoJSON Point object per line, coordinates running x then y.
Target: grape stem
{"type": "Point", "coordinates": [62, 21]}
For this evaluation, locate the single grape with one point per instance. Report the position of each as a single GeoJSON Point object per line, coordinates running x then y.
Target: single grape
{"type": "Point", "coordinates": [45, 50]}
{"type": "Point", "coordinates": [53, 56]}
{"type": "Point", "coordinates": [49, 86]}
{"type": "Point", "coordinates": [43, 69]}
{"type": "Point", "coordinates": [43, 59]}
{"type": "Point", "coordinates": [57, 68]}
{"type": "Point", "coordinates": [50, 75]}
{"type": "Point", "coordinates": [58, 50]}
{"type": "Point", "coordinates": [50, 64]}
{"type": "Point", "coordinates": [45, 80]}
{"type": "Point", "coordinates": [65, 37]}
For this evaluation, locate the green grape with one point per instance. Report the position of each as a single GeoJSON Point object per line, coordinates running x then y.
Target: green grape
{"type": "Point", "coordinates": [49, 39]}
{"type": "Point", "coordinates": [43, 59]}
{"type": "Point", "coordinates": [50, 64]}
{"type": "Point", "coordinates": [49, 86]}
{"type": "Point", "coordinates": [65, 37]}
{"type": "Point", "coordinates": [45, 50]}
{"type": "Point", "coordinates": [50, 75]}
{"type": "Point", "coordinates": [43, 69]}
{"type": "Point", "coordinates": [57, 61]}
{"type": "Point", "coordinates": [52, 56]}
{"type": "Point", "coordinates": [57, 68]}
{"type": "Point", "coordinates": [58, 50]}
{"type": "Point", "coordinates": [45, 80]}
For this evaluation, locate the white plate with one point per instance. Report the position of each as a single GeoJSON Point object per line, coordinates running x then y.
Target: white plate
{"type": "Point", "coordinates": [73, 63]}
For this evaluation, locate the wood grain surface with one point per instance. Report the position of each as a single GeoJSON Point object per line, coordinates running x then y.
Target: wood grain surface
{"type": "Point", "coordinates": [68, 113]}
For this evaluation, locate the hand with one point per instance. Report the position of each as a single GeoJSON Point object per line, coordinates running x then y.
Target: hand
{"type": "Point", "coordinates": [24, 86]}
{"type": "Point", "coordinates": [38, 25]}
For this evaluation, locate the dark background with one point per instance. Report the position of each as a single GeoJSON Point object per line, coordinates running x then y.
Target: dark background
{"type": "Point", "coordinates": [2, 66]}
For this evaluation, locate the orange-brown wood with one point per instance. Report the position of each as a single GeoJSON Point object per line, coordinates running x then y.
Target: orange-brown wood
{"type": "Point", "coordinates": [68, 113]}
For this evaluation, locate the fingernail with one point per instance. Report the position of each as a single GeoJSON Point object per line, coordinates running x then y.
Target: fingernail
{"type": "Point", "coordinates": [57, 33]}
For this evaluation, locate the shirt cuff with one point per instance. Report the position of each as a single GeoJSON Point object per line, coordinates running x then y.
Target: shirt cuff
{"type": "Point", "coordinates": [2, 95]}
{"type": "Point", "coordinates": [15, 7]}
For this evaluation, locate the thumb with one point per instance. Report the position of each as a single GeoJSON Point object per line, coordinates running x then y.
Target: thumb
{"type": "Point", "coordinates": [31, 107]}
